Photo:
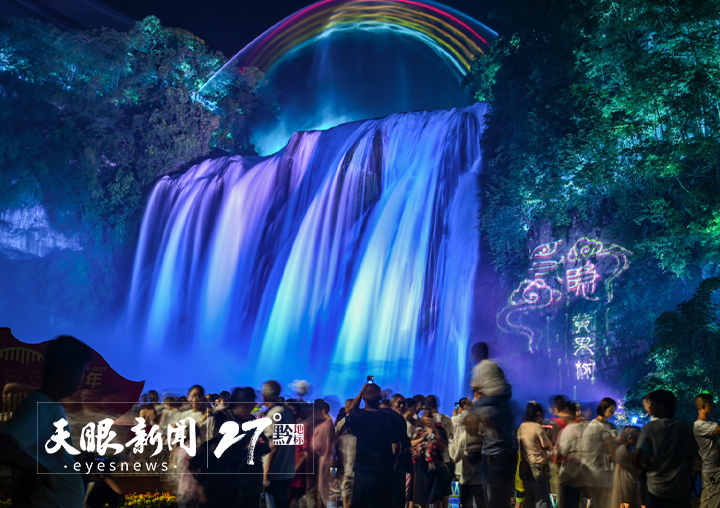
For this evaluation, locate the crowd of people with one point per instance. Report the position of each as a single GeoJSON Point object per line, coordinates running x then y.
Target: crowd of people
{"type": "Point", "coordinates": [383, 452]}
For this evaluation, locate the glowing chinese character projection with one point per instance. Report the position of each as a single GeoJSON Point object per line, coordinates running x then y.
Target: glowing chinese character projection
{"type": "Point", "coordinates": [584, 343]}
{"type": "Point", "coordinates": [585, 370]}
{"type": "Point", "coordinates": [558, 274]}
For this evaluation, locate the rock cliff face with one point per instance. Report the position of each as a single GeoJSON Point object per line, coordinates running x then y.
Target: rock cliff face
{"type": "Point", "coordinates": [26, 233]}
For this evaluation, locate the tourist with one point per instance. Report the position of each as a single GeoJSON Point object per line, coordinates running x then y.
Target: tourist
{"type": "Point", "coordinates": [412, 430]}
{"type": "Point", "coordinates": [340, 415]}
{"type": "Point", "coordinates": [572, 477]}
{"type": "Point", "coordinates": [323, 444]}
{"type": "Point", "coordinates": [154, 399]}
{"type": "Point", "coordinates": [41, 477]}
{"type": "Point", "coordinates": [346, 450]}
{"type": "Point", "coordinates": [535, 445]}
{"type": "Point", "coordinates": [458, 424]}
{"type": "Point", "coordinates": [149, 412]}
{"type": "Point", "coordinates": [468, 461]}
{"type": "Point", "coordinates": [142, 403]}
{"type": "Point", "coordinates": [625, 482]}
{"type": "Point", "coordinates": [398, 403]}
{"type": "Point", "coordinates": [431, 405]}
{"type": "Point", "coordinates": [404, 464]}
{"type": "Point", "coordinates": [646, 406]}
{"type": "Point", "coordinates": [598, 442]}
{"type": "Point", "coordinates": [230, 480]}
{"type": "Point", "coordinates": [169, 414]}
{"type": "Point", "coordinates": [280, 462]}
{"type": "Point", "coordinates": [565, 414]}
{"type": "Point", "coordinates": [557, 423]}
{"type": "Point", "coordinates": [189, 491]}
{"type": "Point", "coordinates": [344, 410]}
{"type": "Point", "coordinates": [303, 414]}
{"type": "Point", "coordinates": [706, 433]}
{"type": "Point", "coordinates": [491, 411]}
{"type": "Point", "coordinates": [459, 414]}
{"type": "Point", "coordinates": [378, 448]}
{"type": "Point", "coordinates": [184, 404]}
{"type": "Point", "coordinates": [664, 454]}
{"type": "Point", "coordinates": [499, 453]}
{"type": "Point", "coordinates": [433, 479]}
{"type": "Point", "coordinates": [199, 412]}
{"type": "Point", "coordinates": [222, 402]}
{"type": "Point", "coordinates": [420, 400]}
{"type": "Point", "coordinates": [487, 377]}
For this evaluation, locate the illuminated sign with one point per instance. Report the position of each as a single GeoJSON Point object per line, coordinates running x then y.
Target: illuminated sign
{"type": "Point", "coordinates": [583, 333]}
{"type": "Point", "coordinates": [557, 275]}
{"type": "Point", "coordinates": [585, 369]}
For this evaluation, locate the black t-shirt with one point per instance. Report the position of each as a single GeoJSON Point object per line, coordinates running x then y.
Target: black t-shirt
{"type": "Point", "coordinates": [376, 431]}
{"type": "Point", "coordinates": [405, 460]}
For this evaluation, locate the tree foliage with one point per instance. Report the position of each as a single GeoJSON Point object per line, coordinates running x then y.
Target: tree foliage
{"type": "Point", "coordinates": [604, 114]}
{"type": "Point", "coordinates": [604, 121]}
{"type": "Point", "coordinates": [685, 356]}
{"type": "Point", "coordinates": [92, 118]}
{"type": "Point", "coordinates": [89, 120]}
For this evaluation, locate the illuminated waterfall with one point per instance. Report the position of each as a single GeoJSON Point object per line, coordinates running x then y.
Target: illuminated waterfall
{"type": "Point", "coordinates": [351, 251]}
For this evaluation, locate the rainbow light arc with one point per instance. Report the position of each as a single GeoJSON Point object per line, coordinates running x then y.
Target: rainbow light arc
{"type": "Point", "coordinates": [449, 33]}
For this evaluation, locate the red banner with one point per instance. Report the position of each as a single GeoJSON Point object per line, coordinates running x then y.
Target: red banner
{"type": "Point", "coordinates": [21, 373]}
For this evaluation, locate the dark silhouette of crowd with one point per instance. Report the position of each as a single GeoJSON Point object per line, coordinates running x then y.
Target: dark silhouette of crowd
{"type": "Point", "coordinates": [382, 450]}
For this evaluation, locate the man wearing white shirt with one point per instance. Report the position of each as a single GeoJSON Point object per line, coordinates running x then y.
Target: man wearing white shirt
{"type": "Point", "coordinates": [487, 377]}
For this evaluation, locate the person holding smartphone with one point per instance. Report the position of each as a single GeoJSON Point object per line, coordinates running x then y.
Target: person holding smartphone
{"type": "Point", "coordinates": [378, 448]}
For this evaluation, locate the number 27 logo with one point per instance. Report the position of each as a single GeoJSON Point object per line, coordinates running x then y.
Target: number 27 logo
{"type": "Point", "coordinates": [230, 431]}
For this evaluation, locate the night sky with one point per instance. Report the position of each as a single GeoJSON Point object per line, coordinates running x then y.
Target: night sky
{"type": "Point", "coordinates": [224, 25]}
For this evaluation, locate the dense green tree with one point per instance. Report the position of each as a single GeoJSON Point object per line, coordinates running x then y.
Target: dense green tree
{"type": "Point", "coordinates": [606, 114]}
{"type": "Point", "coordinates": [89, 120]}
{"type": "Point", "coordinates": [685, 357]}
{"type": "Point", "coordinates": [604, 121]}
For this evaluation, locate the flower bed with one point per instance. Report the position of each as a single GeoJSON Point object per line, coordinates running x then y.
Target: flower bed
{"type": "Point", "coordinates": [147, 500]}
{"type": "Point", "coordinates": [151, 500]}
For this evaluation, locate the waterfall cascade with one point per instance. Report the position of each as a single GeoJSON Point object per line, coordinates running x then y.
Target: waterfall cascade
{"type": "Point", "coordinates": [351, 251]}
